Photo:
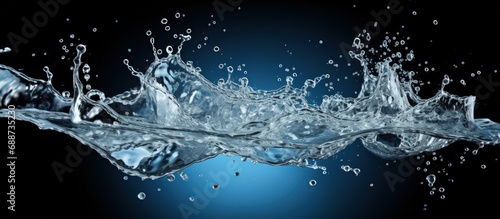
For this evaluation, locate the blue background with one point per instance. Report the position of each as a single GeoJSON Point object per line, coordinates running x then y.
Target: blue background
{"type": "Point", "coordinates": [256, 35]}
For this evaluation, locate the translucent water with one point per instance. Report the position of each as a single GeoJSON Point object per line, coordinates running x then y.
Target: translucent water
{"type": "Point", "coordinates": [177, 117]}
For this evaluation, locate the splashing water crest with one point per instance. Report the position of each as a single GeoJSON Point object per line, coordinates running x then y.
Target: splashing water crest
{"type": "Point", "coordinates": [177, 117]}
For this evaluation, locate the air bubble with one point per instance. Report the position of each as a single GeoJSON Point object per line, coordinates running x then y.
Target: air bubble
{"type": "Point", "coordinates": [216, 49]}
{"type": "Point", "coordinates": [164, 21]}
{"type": "Point", "coordinates": [312, 182]}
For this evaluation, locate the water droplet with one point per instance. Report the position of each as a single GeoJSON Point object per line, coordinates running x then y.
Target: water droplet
{"type": "Point", "coordinates": [184, 176]}
{"type": "Point", "coordinates": [169, 49]}
{"type": "Point", "coordinates": [312, 182]}
{"type": "Point", "coordinates": [66, 94]}
{"type": "Point", "coordinates": [462, 82]}
{"type": "Point", "coordinates": [356, 171]}
{"type": "Point", "coordinates": [431, 179]}
{"type": "Point", "coordinates": [170, 177]}
{"type": "Point", "coordinates": [86, 77]}
{"type": "Point", "coordinates": [141, 195]}
{"type": "Point", "coordinates": [244, 82]}
{"type": "Point", "coordinates": [371, 184]}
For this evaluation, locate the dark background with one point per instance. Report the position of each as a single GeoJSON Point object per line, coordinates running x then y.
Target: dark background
{"type": "Point", "coordinates": [256, 35]}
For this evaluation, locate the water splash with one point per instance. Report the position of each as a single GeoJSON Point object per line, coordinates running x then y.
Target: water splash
{"type": "Point", "coordinates": [177, 117]}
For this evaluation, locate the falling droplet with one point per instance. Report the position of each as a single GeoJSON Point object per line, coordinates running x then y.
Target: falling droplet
{"type": "Point", "coordinates": [431, 179]}
{"type": "Point", "coordinates": [141, 195]}
{"type": "Point", "coordinates": [66, 94]}
{"type": "Point", "coordinates": [356, 171]}
{"type": "Point", "coordinates": [184, 176]}
{"type": "Point", "coordinates": [170, 177]}
{"type": "Point", "coordinates": [86, 77]}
